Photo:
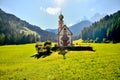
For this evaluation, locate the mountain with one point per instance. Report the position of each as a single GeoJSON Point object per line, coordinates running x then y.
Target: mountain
{"type": "Point", "coordinates": [97, 17]}
{"type": "Point", "coordinates": [45, 35]}
{"type": "Point", "coordinates": [77, 28]}
{"type": "Point", "coordinates": [13, 30]}
{"type": "Point", "coordinates": [105, 30]}
{"type": "Point", "coordinates": [52, 30]}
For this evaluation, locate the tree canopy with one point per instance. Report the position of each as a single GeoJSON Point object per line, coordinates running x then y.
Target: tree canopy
{"type": "Point", "coordinates": [107, 29]}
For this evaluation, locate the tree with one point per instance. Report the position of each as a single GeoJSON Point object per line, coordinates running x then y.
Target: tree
{"type": "Point", "coordinates": [2, 38]}
{"type": "Point", "coordinates": [47, 46]}
{"type": "Point", "coordinates": [97, 39]}
{"type": "Point", "coordinates": [104, 40]}
{"type": "Point", "coordinates": [108, 28]}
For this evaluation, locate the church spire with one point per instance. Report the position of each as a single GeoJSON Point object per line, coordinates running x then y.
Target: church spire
{"type": "Point", "coordinates": [60, 22]}
{"type": "Point", "coordinates": [61, 17]}
{"type": "Point", "coordinates": [64, 34]}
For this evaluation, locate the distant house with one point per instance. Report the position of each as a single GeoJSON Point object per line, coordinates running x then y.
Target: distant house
{"type": "Point", "coordinates": [64, 34]}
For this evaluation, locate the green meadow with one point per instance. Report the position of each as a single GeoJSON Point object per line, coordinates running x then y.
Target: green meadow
{"type": "Point", "coordinates": [16, 63]}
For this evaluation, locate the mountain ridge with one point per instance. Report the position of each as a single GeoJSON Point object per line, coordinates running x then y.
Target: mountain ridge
{"type": "Point", "coordinates": [13, 27]}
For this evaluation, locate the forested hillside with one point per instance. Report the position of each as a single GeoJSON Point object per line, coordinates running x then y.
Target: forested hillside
{"type": "Point", "coordinates": [107, 29]}
{"type": "Point", "coordinates": [16, 31]}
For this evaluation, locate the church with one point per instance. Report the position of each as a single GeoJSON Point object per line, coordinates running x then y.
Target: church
{"type": "Point", "coordinates": [64, 33]}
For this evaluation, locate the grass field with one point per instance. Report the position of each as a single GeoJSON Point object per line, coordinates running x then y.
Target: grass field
{"type": "Point", "coordinates": [16, 63]}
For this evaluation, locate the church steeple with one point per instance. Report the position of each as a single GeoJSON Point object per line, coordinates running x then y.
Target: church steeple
{"type": "Point", "coordinates": [61, 17]}
{"type": "Point", "coordinates": [60, 22]}
{"type": "Point", "coordinates": [64, 34]}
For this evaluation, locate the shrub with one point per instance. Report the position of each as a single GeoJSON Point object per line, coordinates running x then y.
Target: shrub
{"type": "Point", "coordinates": [47, 43]}
{"type": "Point", "coordinates": [40, 48]}
{"type": "Point", "coordinates": [55, 48]}
{"type": "Point", "coordinates": [48, 48]}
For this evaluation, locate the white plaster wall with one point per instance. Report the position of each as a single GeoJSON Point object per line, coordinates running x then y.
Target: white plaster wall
{"type": "Point", "coordinates": [70, 38]}
{"type": "Point", "coordinates": [60, 40]}
{"type": "Point", "coordinates": [68, 34]}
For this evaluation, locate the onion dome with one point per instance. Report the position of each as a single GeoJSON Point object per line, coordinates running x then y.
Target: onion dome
{"type": "Point", "coordinates": [61, 16]}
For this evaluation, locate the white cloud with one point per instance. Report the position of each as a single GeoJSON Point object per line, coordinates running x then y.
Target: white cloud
{"type": "Point", "coordinates": [59, 2]}
{"type": "Point", "coordinates": [92, 9]}
{"type": "Point", "coordinates": [53, 11]}
{"type": "Point", "coordinates": [70, 24]}
{"type": "Point", "coordinates": [42, 9]}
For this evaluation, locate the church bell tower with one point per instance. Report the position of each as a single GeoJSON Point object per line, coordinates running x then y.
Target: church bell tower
{"type": "Point", "coordinates": [61, 22]}
{"type": "Point", "coordinates": [64, 34]}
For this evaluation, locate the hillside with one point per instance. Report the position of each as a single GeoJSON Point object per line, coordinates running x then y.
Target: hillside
{"type": "Point", "coordinates": [16, 63]}
{"type": "Point", "coordinates": [77, 28]}
{"type": "Point", "coordinates": [52, 30]}
{"type": "Point", "coordinates": [105, 30]}
{"type": "Point", "coordinates": [13, 30]}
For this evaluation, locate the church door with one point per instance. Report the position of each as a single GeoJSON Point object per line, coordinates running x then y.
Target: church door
{"type": "Point", "coordinates": [65, 42]}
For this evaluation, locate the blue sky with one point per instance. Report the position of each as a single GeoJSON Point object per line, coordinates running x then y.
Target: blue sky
{"type": "Point", "coordinates": [44, 13]}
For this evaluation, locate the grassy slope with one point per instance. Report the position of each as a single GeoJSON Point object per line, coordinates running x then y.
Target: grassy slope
{"type": "Point", "coordinates": [16, 64]}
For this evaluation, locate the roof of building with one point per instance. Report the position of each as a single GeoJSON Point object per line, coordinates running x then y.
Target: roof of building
{"type": "Point", "coordinates": [66, 28]}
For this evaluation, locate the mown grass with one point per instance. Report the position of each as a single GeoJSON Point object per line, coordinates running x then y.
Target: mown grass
{"type": "Point", "coordinates": [16, 63]}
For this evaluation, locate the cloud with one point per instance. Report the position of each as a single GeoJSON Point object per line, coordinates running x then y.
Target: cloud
{"type": "Point", "coordinates": [59, 2]}
{"type": "Point", "coordinates": [42, 9]}
{"type": "Point", "coordinates": [70, 24]}
{"type": "Point", "coordinates": [92, 9]}
{"type": "Point", "coordinates": [53, 11]}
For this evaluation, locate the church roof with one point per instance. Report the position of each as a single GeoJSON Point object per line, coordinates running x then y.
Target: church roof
{"type": "Point", "coordinates": [66, 28]}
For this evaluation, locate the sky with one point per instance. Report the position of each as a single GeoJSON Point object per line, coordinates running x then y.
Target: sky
{"type": "Point", "coordinates": [44, 13]}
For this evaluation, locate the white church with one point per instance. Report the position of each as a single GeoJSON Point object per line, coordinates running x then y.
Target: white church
{"type": "Point", "coordinates": [64, 34]}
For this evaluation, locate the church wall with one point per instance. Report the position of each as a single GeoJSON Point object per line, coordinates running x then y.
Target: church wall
{"type": "Point", "coordinates": [63, 30]}
{"type": "Point", "coordinates": [68, 34]}
{"type": "Point", "coordinates": [60, 36]}
{"type": "Point", "coordinates": [70, 38]}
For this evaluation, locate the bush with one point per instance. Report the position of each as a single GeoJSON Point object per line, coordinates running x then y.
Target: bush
{"type": "Point", "coordinates": [55, 48]}
{"type": "Point", "coordinates": [47, 43]}
{"type": "Point", "coordinates": [48, 48]}
{"type": "Point", "coordinates": [43, 49]}
{"type": "Point", "coordinates": [40, 48]}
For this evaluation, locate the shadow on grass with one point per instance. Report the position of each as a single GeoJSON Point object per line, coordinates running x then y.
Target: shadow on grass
{"type": "Point", "coordinates": [42, 54]}
{"type": "Point", "coordinates": [63, 53]}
